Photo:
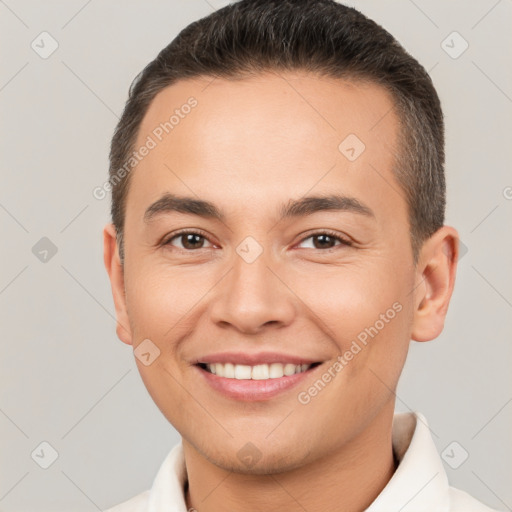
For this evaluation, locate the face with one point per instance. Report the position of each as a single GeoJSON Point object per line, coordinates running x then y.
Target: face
{"type": "Point", "coordinates": [264, 275]}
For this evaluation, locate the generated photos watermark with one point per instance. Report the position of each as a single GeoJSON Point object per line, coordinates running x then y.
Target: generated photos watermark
{"type": "Point", "coordinates": [157, 135]}
{"type": "Point", "coordinates": [368, 333]}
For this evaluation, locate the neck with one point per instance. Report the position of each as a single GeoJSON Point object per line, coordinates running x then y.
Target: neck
{"type": "Point", "coordinates": [350, 478]}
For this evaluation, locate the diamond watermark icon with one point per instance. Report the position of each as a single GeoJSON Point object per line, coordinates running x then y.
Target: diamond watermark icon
{"type": "Point", "coordinates": [351, 147]}
{"type": "Point", "coordinates": [463, 249]}
{"type": "Point", "coordinates": [454, 455]}
{"type": "Point", "coordinates": [44, 45]}
{"type": "Point", "coordinates": [249, 454]}
{"type": "Point", "coordinates": [44, 455]}
{"type": "Point", "coordinates": [44, 250]}
{"type": "Point", "coordinates": [249, 249]}
{"type": "Point", "coordinates": [146, 352]}
{"type": "Point", "coordinates": [454, 45]}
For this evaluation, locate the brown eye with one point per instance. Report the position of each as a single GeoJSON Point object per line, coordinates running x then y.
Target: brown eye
{"type": "Point", "coordinates": [190, 240]}
{"type": "Point", "coordinates": [326, 240]}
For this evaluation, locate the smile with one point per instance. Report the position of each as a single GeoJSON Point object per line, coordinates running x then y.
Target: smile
{"type": "Point", "coordinates": [254, 383]}
{"type": "Point", "coordinates": [257, 372]}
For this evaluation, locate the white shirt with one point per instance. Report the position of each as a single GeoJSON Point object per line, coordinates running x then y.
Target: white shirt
{"type": "Point", "coordinates": [419, 484]}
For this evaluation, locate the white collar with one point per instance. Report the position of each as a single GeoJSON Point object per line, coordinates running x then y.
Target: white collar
{"type": "Point", "coordinates": [419, 482]}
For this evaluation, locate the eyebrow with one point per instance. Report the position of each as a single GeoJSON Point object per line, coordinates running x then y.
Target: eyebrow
{"type": "Point", "coordinates": [294, 208]}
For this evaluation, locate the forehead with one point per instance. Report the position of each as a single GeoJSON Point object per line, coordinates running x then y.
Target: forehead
{"type": "Point", "coordinates": [273, 136]}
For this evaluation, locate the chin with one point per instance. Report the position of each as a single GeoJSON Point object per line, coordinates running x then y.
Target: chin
{"type": "Point", "coordinates": [249, 460]}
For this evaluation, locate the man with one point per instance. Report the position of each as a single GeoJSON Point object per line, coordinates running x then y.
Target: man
{"type": "Point", "coordinates": [278, 239]}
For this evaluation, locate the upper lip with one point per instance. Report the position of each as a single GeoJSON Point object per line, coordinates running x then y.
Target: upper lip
{"type": "Point", "coordinates": [254, 359]}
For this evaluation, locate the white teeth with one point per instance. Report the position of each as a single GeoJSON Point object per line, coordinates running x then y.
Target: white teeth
{"type": "Point", "coordinates": [276, 370]}
{"type": "Point", "coordinates": [257, 372]}
{"type": "Point", "coordinates": [289, 369]}
{"type": "Point", "coordinates": [228, 370]}
{"type": "Point", "coordinates": [260, 372]}
{"type": "Point", "coordinates": [242, 371]}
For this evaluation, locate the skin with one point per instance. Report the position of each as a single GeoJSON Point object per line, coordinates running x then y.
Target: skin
{"type": "Point", "coordinates": [249, 146]}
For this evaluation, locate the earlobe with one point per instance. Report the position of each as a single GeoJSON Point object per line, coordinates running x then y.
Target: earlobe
{"type": "Point", "coordinates": [435, 280]}
{"type": "Point", "coordinates": [116, 275]}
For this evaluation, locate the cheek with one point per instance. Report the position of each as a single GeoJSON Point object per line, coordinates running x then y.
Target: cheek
{"type": "Point", "coordinates": [366, 317]}
{"type": "Point", "coordinates": [346, 300]}
{"type": "Point", "coordinates": [159, 299]}
{"type": "Point", "coordinates": [160, 304]}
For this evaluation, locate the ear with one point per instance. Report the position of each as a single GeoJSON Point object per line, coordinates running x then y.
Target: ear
{"type": "Point", "coordinates": [116, 275]}
{"type": "Point", "coordinates": [435, 279]}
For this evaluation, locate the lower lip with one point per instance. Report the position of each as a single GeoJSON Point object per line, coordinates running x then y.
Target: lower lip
{"type": "Point", "coordinates": [254, 390]}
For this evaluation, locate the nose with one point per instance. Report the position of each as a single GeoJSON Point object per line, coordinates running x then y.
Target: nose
{"type": "Point", "coordinates": [252, 297]}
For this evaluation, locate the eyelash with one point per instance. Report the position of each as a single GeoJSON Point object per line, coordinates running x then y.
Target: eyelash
{"type": "Point", "coordinates": [332, 234]}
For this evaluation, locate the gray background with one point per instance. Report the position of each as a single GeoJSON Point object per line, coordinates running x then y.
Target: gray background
{"type": "Point", "coordinates": [65, 377]}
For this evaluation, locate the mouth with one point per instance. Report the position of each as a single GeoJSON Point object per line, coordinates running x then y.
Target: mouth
{"type": "Point", "coordinates": [259, 382]}
{"type": "Point", "coordinates": [256, 372]}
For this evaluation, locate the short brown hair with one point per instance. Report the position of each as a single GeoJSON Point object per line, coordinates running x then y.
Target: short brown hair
{"type": "Point", "coordinates": [319, 36]}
